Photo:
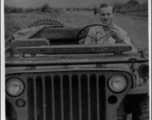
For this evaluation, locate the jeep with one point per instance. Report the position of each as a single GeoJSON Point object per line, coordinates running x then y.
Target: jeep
{"type": "Point", "coordinates": [52, 75]}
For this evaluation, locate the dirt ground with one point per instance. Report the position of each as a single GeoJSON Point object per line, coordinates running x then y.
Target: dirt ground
{"type": "Point", "coordinates": [136, 27]}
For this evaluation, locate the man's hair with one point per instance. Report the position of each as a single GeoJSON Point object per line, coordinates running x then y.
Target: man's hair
{"type": "Point", "coordinates": [106, 5]}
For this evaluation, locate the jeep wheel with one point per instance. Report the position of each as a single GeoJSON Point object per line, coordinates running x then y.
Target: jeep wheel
{"type": "Point", "coordinates": [143, 112]}
{"type": "Point", "coordinates": [81, 32]}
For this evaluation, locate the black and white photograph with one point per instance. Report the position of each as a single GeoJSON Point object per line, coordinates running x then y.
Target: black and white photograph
{"type": "Point", "coordinates": [76, 60]}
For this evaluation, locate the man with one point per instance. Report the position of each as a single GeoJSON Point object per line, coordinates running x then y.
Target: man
{"type": "Point", "coordinates": [107, 35]}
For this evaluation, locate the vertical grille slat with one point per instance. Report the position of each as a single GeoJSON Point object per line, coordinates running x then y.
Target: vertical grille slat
{"type": "Point", "coordinates": [66, 96]}
{"type": "Point", "coordinates": [57, 97]}
{"type": "Point", "coordinates": [44, 97]}
{"type": "Point", "coordinates": [80, 110]}
{"type": "Point", "coordinates": [89, 101]}
{"type": "Point", "coordinates": [62, 105]}
{"type": "Point", "coordinates": [75, 96]}
{"type": "Point", "coordinates": [71, 112]}
{"type": "Point", "coordinates": [48, 99]}
{"type": "Point", "coordinates": [39, 97]}
{"type": "Point", "coordinates": [53, 105]}
{"type": "Point", "coordinates": [84, 97]}
{"type": "Point", "coordinates": [98, 110]}
{"type": "Point", "coordinates": [30, 92]}
{"type": "Point", "coordinates": [102, 97]}
{"type": "Point", "coordinates": [35, 100]}
{"type": "Point", "coordinates": [93, 97]}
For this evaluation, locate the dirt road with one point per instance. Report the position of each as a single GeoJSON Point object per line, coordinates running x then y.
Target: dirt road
{"type": "Point", "coordinates": [136, 27]}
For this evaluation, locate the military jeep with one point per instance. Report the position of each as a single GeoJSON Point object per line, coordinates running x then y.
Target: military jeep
{"type": "Point", "coordinates": [52, 75]}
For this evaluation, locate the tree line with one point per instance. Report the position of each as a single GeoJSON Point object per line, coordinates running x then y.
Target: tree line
{"type": "Point", "coordinates": [131, 6]}
{"type": "Point", "coordinates": [123, 8]}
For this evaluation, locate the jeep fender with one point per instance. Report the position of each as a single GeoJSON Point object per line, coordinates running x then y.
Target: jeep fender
{"type": "Point", "coordinates": [140, 90]}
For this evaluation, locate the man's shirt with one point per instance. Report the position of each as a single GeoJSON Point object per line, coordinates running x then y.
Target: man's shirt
{"type": "Point", "coordinates": [101, 35]}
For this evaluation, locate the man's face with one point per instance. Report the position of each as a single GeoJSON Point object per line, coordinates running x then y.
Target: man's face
{"type": "Point", "coordinates": [106, 15]}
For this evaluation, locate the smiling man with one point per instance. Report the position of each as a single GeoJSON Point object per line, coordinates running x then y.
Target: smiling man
{"type": "Point", "coordinates": [107, 35]}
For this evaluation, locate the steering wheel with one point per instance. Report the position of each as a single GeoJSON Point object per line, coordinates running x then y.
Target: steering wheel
{"type": "Point", "coordinates": [86, 27]}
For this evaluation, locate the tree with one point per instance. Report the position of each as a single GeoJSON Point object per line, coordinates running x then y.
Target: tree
{"type": "Point", "coordinates": [145, 5]}
{"type": "Point", "coordinates": [45, 8]}
{"type": "Point", "coordinates": [133, 2]}
{"type": "Point", "coordinates": [6, 9]}
{"type": "Point", "coordinates": [118, 6]}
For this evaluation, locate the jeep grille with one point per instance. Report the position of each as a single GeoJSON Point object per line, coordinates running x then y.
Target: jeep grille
{"type": "Point", "coordinates": [77, 96]}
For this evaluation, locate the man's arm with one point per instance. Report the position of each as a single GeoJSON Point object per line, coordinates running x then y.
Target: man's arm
{"type": "Point", "coordinates": [122, 38]}
{"type": "Point", "coordinates": [91, 38]}
{"type": "Point", "coordinates": [128, 42]}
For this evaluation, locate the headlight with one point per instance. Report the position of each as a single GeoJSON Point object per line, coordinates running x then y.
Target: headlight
{"type": "Point", "coordinates": [14, 87]}
{"type": "Point", "coordinates": [117, 83]}
{"type": "Point", "coordinates": [144, 72]}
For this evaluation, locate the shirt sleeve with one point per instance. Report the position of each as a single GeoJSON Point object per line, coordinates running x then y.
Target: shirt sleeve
{"type": "Point", "coordinates": [126, 39]}
{"type": "Point", "coordinates": [90, 39]}
{"type": "Point", "coordinates": [128, 42]}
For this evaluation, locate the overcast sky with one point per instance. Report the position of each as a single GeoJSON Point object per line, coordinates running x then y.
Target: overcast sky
{"type": "Point", "coordinates": [59, 3]}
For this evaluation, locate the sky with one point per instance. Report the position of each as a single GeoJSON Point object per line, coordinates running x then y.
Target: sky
{"type": "Point", "coordinates": [59, 3]}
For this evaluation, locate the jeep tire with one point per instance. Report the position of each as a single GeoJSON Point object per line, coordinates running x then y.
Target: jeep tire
{"type": "Point", "coordinates": [142, 110]}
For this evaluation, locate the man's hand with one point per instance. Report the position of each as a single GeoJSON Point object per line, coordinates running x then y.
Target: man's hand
{"type": "Point", "coordinates": [116, 36]}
